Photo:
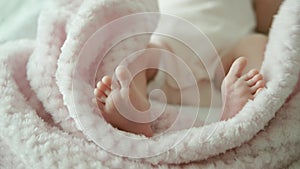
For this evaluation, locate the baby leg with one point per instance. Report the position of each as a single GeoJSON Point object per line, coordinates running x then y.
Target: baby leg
{"type": "Point", "coordinates": [242, 80]}
{"type": "Point", "coordinates": [251, 47]}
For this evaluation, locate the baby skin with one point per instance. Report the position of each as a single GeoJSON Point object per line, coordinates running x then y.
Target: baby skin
{"type": "Point", "coordinates": [241, 83]}
{"type": "Point", "coordinates": [237, 88]}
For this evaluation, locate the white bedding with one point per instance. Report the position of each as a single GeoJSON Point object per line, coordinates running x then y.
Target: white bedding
{"type": "Point", "coordinates": [18, 19]}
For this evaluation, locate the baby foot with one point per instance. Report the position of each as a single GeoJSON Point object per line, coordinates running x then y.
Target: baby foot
{"type": "Point", "coordinates": [237, 89]}
{"type": "Point", "coordinates": [108, 95]}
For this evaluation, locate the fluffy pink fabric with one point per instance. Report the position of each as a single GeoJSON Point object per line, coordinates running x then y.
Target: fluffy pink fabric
{"type": "Point", "coordinates": [38, 110]}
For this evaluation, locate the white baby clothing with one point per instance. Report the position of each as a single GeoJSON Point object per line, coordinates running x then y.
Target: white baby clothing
{"type": "Point", "coordinates": [224, 22]}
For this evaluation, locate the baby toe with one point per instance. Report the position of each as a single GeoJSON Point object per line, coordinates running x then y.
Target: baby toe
{"type": "Point", "coordinates": [254, 79]}
{"type": "Point", "coordinates": [250, 74]}
{"type": "Point", "coordinates": [123, 76]}
{"type": "Point", "coordinates": [103, 87]}
{"type": "Point", "coordinates": [97, 92]}
{"type": "Point", "coordinates": [107, 81]}
{"type": "Point", "coordinates": [238, 67]}
{"type": "Point", "coordinates": [260, 84]}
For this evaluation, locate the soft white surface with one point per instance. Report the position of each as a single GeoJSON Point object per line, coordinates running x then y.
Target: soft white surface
{"type": "Point", "coordinates": [218, 19]}
{"type": "Point", "coordinates": [18, 18]}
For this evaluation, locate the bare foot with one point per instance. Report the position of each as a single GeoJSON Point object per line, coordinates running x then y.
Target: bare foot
{"type": "Point", "coordinates": [237, 89]}
{"type": "Point", "coordinates": [108, 95]}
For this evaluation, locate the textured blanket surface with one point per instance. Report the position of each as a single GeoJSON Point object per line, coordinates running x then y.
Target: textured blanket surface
{"type": "Point", "coordinates": [48, 119]}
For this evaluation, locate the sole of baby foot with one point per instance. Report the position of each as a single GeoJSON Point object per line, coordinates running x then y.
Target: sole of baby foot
{"type": "Point", "coordinates": [107, 98]}
{"type": "Point", "coordinates": [237, 89]}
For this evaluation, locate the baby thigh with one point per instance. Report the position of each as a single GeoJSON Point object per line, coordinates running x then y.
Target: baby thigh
{"type": "Point", "coordinates": [252, 47]}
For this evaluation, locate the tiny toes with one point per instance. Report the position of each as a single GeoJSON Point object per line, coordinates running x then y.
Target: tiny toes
{"type": "Point", "coordinates": [255, 79]}
{"type": "Point", "coordinates": [106, 80]}
{"type": "Point", "coordinates": [258, 85]}
{"type": "Point", "coordinates": [237, 67]}
{"type": "Point", "coordinates": [250, 74]}
{"type": "Point", "coordinates": [123, 75]}
{"type": "Point", "coordinates": [101, 97]}
{"type": "Point", "coordinates": [97, 92]}
{"type": "Point", "coordinates": [253, 72]}
{"type": "Point", "coordinates": [99, 84]}
{"type": "Point", "coordinates": [103, 87]}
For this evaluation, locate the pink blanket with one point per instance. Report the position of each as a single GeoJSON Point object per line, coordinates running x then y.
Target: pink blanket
{"type": "Point", "coordinates": [48, 119]}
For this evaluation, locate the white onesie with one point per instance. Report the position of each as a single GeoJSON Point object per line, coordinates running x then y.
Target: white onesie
{"type": "Point", "coordinates": [224, 22]}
